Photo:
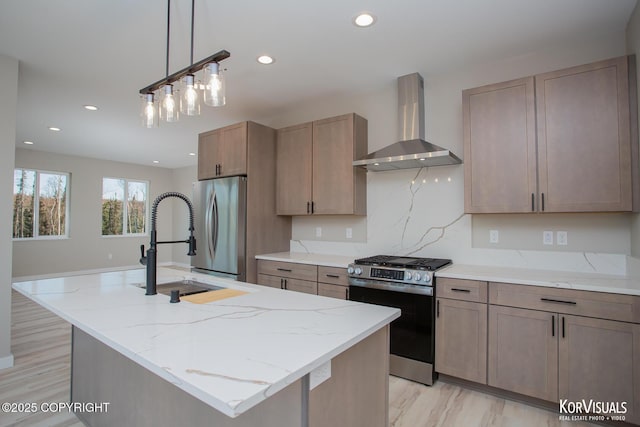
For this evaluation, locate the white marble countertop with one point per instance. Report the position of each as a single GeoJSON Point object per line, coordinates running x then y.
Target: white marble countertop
{"type": "Point", "coordinates": [556, 279]}
{"type": "Point", "coordinates": [233, 353]}
{"type": "Point", "coordinates": [339, 261]}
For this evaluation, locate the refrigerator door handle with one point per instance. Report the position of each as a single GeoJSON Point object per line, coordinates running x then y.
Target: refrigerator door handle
{"type": "Point", "coordinates": [216, 221]}
{"type": "Point", "coordinates": [208, 223]}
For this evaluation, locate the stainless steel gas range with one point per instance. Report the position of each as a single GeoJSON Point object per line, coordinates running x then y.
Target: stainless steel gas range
{"type": "Point", "coordinates": [406, 283]}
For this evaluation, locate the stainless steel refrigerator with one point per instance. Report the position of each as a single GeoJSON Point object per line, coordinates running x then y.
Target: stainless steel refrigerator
{"type": "Point", "coordinates": [220, 226]}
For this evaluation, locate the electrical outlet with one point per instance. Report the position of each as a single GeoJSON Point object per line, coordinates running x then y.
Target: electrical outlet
{"type": "Point", "coordinates": [318, 231]}
{"type": "Point", "coordinates": [494, 236]}
{"type": "Point", "coordinates": [349, 232]}
{"type": "Point", "coordinates": [562, 238]}
{"type": "Point", "coordinates": [547, 237]}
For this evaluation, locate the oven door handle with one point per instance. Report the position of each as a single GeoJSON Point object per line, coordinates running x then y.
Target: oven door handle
{"type": "Point", "coordinates": [392, 287]}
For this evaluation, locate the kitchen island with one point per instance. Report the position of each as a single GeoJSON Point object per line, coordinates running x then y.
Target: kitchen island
{"type": "Point", "coordinates": [263, 358]}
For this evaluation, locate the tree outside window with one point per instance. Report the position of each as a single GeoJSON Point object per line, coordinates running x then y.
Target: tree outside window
{"type": "Point", "coordinates": [120, 217]}
{"type": "Point", "coordinates": [40, 204]}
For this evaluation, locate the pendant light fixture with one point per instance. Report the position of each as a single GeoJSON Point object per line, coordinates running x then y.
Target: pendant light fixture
{"type": "Point", "coordinates": [188, 101]}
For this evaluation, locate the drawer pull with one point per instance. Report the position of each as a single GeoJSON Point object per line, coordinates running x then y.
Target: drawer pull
{"type": "Point", "coordinates": [333, 276]}
{"type": "Point", "coordinates": [553, 325]}
{"type": "Point", "coordinates": [562, 326]}
{"type": "Point", "coordinates": [468, 291]}
{"type": "Point", "coordinates": [558, 301]}
{"type": "Point", "coordinates": [346, 293]}
{"type": "Point", "coordinates": [438, 309]}
{"type": "Point", "coordinates": [284, 269]}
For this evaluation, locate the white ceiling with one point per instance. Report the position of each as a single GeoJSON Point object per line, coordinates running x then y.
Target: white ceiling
{"type": "Point", "coordinates": [101, 52]}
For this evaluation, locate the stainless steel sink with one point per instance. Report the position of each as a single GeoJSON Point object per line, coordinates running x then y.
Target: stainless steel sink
{"type": "Point", "coordinates": [186, 287]}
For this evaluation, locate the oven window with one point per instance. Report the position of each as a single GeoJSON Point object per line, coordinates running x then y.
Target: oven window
{"type": "Point", "coordinates": [412, 334]}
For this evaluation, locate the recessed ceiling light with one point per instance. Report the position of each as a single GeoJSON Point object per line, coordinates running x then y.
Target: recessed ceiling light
{"type": "Point", "coordinates": [364, 20]}
{"type": "Point", "coordinates": [266, 59]}
{"type": "Point", "coordinates": [90, 107]}
{"type": "Point", "coordinates": [192, 154]}
{"type": "Point", "coordinates": [53, 128]}
{"type": "Point", "coordinates": [28, 142]}
{"type": "Point", "coordinates": [156, 161]}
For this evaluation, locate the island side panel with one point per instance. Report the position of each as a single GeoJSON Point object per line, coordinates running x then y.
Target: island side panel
{"type": "Point", "coordinates": [138, 397]}
{"type": "Point", "coordinates": [357, 394]}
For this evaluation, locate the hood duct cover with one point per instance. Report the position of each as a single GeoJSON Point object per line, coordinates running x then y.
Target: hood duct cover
{"type": "Point", "coordinates": [412, 151]}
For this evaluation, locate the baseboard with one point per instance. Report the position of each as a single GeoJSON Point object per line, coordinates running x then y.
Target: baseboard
{"type": "Point", "coordinates": [6, 362]}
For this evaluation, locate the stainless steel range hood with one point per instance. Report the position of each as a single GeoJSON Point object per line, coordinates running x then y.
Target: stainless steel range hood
{"type": "Point", "coordinates": [412, 151]}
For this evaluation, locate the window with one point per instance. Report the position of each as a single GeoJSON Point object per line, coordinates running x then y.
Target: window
{"type": "Point", "coordinates": [48, 192]}
{"type": "Point", "coordinates": [120, 218]}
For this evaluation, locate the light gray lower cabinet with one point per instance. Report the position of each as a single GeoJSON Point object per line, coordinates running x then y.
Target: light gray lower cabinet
{"type": "Point", "coordinates": [551, 353]}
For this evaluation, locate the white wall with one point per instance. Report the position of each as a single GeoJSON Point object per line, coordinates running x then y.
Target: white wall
{"type": "Point", "coordinates": [409, 213]}
{"type": "Point", "coordinates": [86, 249]}
{"type": "Point", "coordinates": [182, 180]}
{"type": "Point", "coordinates": [8, 103]}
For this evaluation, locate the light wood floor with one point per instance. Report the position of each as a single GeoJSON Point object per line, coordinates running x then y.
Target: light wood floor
{"type": "Point", "coordinates": [41, 345]}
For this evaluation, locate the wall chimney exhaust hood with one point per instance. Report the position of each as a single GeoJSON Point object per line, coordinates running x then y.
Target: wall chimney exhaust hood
{"type": "Point", "coordinates": [412, 151]}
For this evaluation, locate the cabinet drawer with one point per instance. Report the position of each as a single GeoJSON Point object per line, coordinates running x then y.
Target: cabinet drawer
{"type": "Point", "coordinates": [271, 281]}
{"type": "Point", "coordinates": [333, 275]}
{"type": "Point", "coordinates": [333, 291]}
{"type": "Point", "coordinates": [601, 305]}
{"type": "Point", "coordinates": [304, 286]}
{"type": "Point", "coordinates": [466, 290]}
{"type": "Point", "coordinates": [288, 269]}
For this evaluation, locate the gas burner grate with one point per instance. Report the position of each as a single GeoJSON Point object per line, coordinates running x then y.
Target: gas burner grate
{"type": "Point", "coordinates": [430, 264]}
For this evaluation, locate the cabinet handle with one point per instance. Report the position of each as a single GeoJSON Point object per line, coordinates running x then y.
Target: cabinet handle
{"type": "Point", "coordinates": [562, 326]}
{"type": "Point", "coordinates": [542, 202]}
{"type": "Point", "coordinates": [533, 199]}
{"type": "Point", "coordinates": [281, 285]}
{"type": "Point", "coordinates": [468, 291]}
{"type": "Point", "coordinates": [285, 284]}
{"type": "Point", "coordinates": [557, 301]}
{"type": "Point", "coordinates": [308, 207]}
{"type": "Point", "coordinates": [553, 325]}
{"type": "Point", "coordinates": [334, 276]}
{"type": "Point", "coordinates": [284, 269]}
{"type": "Point", "coordinates": [312, 206]}
{"type": "Point", "coordinates": [346, 293]}
{"type": "Point", "coordinates": [438, 308]}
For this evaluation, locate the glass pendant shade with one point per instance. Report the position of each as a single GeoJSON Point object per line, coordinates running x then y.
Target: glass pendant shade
{"type": "Point", "coordinates": [189, 100]}
{"type": "Point", "coordinates": [149, 112]}
{"type": "Point", "coordinates": [169, 105]}
{"type": "Point", "coordinates": [214, 90]}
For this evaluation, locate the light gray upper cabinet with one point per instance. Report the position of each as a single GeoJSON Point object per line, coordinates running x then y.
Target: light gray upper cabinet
{"type": "Point", "coordinates": [556, 142]}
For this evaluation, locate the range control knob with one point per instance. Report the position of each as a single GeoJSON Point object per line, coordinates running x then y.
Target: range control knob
{"type": "Point", "coordinates": [350, 270]}
{"type": "Point", "coordinates": [427, 277]}
{"type": "Point", "coordinates": [417, 276]}
{"type": "Point", "coordinates": [407, 275]}
{"type": "Point", "coordinates": [358, 271]}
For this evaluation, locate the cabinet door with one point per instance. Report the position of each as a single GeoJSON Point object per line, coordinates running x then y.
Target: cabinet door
{"type": "Point", "coordinates": [333, 171]}
{"type": "Point", "coordinates": [293, 172]}
{"type": "Point", "coordinates": [301, 286]}
{"type": "Point", "coordinates": [523, 351]}
{"type": "Point", "coordinates": [584, 149]}
{"type": "Point", "coordinates": [271, 281]}
{"type": "Point", "coordinates": [500, 147]}
{"type": "Point", "coordinates": [600, 360]}
{"type": "Point", "coordinates": [461, 339]}
{"type": "Point", "coordinates": [208, 154]}
{"type": "Point", "coordinates": [233, 150]}
{"type": "Point", "coordinates": [333, 291]}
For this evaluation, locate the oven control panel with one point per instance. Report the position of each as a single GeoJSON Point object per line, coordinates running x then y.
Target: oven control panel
{"type": "Point", "coordinates": [401, 275]}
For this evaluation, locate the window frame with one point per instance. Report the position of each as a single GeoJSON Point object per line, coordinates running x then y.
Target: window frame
{"type": "Point", "coordinates": [125, 208]}
{"type": "Point", "coordinates": [36, 206]}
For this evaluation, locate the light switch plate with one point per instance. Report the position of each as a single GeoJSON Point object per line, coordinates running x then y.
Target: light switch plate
{"type": "Point", "coordinates": [318, 231]}
{"type": "Point", "coordinates": [494, 236]}
{"type": "Point", "coordinates": [349, 233]}
{"type": "Point", "coordinates": [547, 237]}
{"type": "Point", "coordinates": [561, 238]}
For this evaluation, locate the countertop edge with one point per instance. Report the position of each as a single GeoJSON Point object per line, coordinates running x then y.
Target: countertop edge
{"type": "Point", "coordinates": [566, 280]}
{"type": "Point", "coordinates": [337, 261]}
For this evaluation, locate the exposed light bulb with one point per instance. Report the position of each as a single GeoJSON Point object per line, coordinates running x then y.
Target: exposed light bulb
{"type": "Point", "coordinates": [214, 91]}
{"type": "Point", "coordinates": [189, 102]}
{"type": "Point", "coordinates": [149, 112]}
{"type": "Point", "coordinates": [168, 107]}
